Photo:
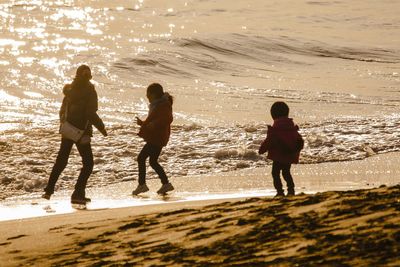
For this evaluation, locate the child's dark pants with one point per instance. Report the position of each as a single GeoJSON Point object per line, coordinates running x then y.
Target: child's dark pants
{"type": "Point", "coordinates": [277, 167]}
{"type": "Point", "coordinates": [153, 152]}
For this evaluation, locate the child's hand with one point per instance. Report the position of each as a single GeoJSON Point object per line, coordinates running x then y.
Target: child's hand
{"type": "Point", "coordinates": [262, 150]}
{"type": "Point", "coordinates": [139, 121]}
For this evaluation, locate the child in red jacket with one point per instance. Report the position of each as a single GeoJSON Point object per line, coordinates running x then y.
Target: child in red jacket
{"type": "Point", "coordinates": [155, 131]}
{"type": "Point", "coordinates": [283, 144]}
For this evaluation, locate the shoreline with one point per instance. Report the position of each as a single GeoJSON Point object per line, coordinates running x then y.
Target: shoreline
{"type": "Point", "coordinates": [309, 178]}
{"type": "Point", "coordinates": [336, 227]}
{"type": "Point", "coordinates": [37, 208]}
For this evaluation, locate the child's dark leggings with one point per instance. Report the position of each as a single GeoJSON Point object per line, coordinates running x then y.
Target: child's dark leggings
{"type": "Point", "coordinates": [153, 152]}
{"type": "Point", "coordinates": [277, 167]}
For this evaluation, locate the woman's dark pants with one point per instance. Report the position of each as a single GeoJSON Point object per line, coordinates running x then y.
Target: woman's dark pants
{"type": "Point", "coordinates": [85, 150]}
{"type": "Point", "coordinates": [152, 152]}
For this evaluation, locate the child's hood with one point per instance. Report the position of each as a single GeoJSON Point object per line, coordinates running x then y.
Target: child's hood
{"type": "Point", "coordinates": [285, 123]}
{"type": "Point", "coordinates": [166, 98]}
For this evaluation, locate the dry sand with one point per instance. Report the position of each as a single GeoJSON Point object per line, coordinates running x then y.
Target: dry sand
{"type": "Point", "coordinates": [343, 228]}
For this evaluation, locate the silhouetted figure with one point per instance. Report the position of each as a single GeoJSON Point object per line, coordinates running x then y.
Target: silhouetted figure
{"type": "Point", "coordinates": [155, 130]}
{"type": "Point", "coordinates": [79, 108]}
{"type": "Point", "coordinates": [283, 144]}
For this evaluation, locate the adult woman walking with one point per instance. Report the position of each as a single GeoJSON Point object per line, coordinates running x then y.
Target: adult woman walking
{"type": "Point", "coordinates": [78, 109]}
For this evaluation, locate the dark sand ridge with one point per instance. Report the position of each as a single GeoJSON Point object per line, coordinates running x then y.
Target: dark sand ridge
{"type": "Point", "coordinates": [348, 228]}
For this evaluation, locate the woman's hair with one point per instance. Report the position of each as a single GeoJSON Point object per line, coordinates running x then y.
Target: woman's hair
{"type": "Point", "coordinates": [279, 109]}
{"type": "Point", "coordinates": [80, 82]}
{"type": "Point", "coordinates": [79, 76]}
{"type": "Point", "coordinates": [157, 90]}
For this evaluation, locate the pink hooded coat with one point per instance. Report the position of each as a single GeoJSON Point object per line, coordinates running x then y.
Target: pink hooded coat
{"type": "Point", "coordinates": [283, 141]}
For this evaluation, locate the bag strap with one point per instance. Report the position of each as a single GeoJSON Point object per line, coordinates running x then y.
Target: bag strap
{"type": "Point", "coordinates": [66, 109]}
{"type": "Point", "coordinates": [87, 124]}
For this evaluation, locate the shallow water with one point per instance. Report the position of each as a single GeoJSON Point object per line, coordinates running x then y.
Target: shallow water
{"type": "Point", "coordinates": [335, 62]}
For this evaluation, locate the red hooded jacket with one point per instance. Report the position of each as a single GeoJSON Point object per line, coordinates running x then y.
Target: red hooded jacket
{"type": "Point", "coordinates": [283, 141]}
{"type": "Point", "coordinates": [156, 129]}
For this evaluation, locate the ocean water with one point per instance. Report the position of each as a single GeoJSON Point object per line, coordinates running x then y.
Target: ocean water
{"type": "Point", "coordinates": [336, 63]}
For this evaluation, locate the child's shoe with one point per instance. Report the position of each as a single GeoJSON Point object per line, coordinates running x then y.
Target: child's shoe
{"type": "Point", "coordinates": [78, 197]}
{"type": "Point", "coordinates": [80, 201]}
{"type": "Point", "coordinates": [141, 188]}
{"type": "Point", "coordinates": [165, 188]}
{"type": "Point", "coordinates": [279, 195]}
{"type": "Point", "coordinates": [291, 193]}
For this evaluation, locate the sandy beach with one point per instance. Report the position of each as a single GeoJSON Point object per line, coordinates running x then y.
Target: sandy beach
{"type": "Point", "coordinates": [345, 214]}
{"type": "Point", "coordinates": [335, 63]}
{"type": "Point", "coordinates": [224, 219]}
{"type": "Point", "coordinates": [348, 228]}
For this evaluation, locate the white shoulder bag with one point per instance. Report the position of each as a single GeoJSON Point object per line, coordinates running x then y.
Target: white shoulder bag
{"type": "Point", "coordinates": [69, 131]}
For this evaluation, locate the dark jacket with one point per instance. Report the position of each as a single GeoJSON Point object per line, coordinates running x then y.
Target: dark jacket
{"type": "Point", "coordinates": [81, 103]}
{"type": "Point", "coordinates": [283, 141]}
{"type": "Point", "coordinates": [156, 129]}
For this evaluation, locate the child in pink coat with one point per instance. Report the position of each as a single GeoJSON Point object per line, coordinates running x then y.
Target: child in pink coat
{"type": "Point", "coordinates": [283, 144]}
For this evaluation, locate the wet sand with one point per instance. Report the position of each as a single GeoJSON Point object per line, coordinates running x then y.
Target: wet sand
{"type": "Point", "coordinates": [309, 178]}
{"type": "Point", "coordinates": [342, 228]}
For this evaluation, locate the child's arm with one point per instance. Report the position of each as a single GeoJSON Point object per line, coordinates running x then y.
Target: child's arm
{"type": "Point", "coordinates": [157, 119]}
{"type": "Point", "coordinates": [266, 145]}
{"type": "Point", "coordinates": [160, 117]}
{"type": "Point", "coordinates": [139, 121]}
